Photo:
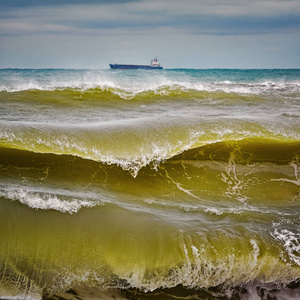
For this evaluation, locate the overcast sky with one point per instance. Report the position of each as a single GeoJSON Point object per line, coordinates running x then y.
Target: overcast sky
{"type": "Point", "coordinates": [181, 33]}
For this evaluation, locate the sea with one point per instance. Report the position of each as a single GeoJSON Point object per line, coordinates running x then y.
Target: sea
{"type": "Point", "coordinates": [162, 184]}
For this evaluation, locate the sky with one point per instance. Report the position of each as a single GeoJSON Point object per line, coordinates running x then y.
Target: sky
{"type": "Point", "coordinates": [196, 34]}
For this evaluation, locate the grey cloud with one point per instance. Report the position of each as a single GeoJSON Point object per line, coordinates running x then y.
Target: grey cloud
{"type": "Point", "coordinates": [223, 17]}
{"type": "Point", "coordinates": [32, 3]}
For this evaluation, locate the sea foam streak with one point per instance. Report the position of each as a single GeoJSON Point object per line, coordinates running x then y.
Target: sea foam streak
{"type": "Point", "coordinates": [45, 201]}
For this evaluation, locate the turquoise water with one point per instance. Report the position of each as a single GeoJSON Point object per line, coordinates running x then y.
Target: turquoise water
{"type": "Point", "coordinates": [177, 183]}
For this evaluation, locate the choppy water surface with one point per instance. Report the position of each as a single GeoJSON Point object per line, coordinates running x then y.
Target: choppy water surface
{"type": "Point", "coordinates": [177, 183]}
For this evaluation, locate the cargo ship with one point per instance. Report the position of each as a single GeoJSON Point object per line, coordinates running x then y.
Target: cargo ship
{"type": "Point", "coordinates": [154, 65]}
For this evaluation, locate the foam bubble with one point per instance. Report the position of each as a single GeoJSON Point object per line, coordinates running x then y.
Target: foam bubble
{"type": "Point", "coordinates": [255, 251]}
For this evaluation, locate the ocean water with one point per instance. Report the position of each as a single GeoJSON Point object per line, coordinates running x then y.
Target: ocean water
{"type": "Point", "coordinates": [172, 184]}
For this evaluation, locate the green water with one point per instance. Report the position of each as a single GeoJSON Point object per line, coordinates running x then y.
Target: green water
{"type": "Point", "coordinates": [183, 184]}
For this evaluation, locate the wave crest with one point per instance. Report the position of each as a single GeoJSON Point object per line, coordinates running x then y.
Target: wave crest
{"type": "Point", "coordinates": [45, 201]}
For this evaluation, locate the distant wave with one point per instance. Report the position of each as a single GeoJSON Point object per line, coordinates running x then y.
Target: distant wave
{"type": "Point", "coordinates": [108, 90]}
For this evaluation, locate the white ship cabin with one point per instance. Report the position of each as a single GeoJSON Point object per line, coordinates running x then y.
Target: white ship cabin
{"type": "Point", "coordinates": [155, 63]}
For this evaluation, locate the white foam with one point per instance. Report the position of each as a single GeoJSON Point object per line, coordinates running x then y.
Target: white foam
{"type": "Point", "coordinates": [235, 185]}
{"type": "Point", "coordinates": [21, 297]}
{"type": "Point", "coordinates": [56, 80]}
{"type": "Point", "coordinates": [125, 87]}
{"type": "Point", "coordinates": [45, 201]}
{"type": "Point", "coordinates": [290, 241]}
{"type": "Point", "coordinates": [296, 181]}
{"type": "Point", "coordinates": [255, 251]}
{"type": "Point", "coordinates": [259, 291]}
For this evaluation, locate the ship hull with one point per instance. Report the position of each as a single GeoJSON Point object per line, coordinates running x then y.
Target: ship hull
{"type": "Point", "coordinates": [146, 67]}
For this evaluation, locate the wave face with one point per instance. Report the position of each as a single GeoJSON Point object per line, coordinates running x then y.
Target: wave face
{"type": "Point", "coordinates": [155, 181]}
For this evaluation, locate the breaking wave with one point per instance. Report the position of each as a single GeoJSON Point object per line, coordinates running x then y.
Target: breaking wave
{"type": "Point", "coordinates": [106, 85]}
